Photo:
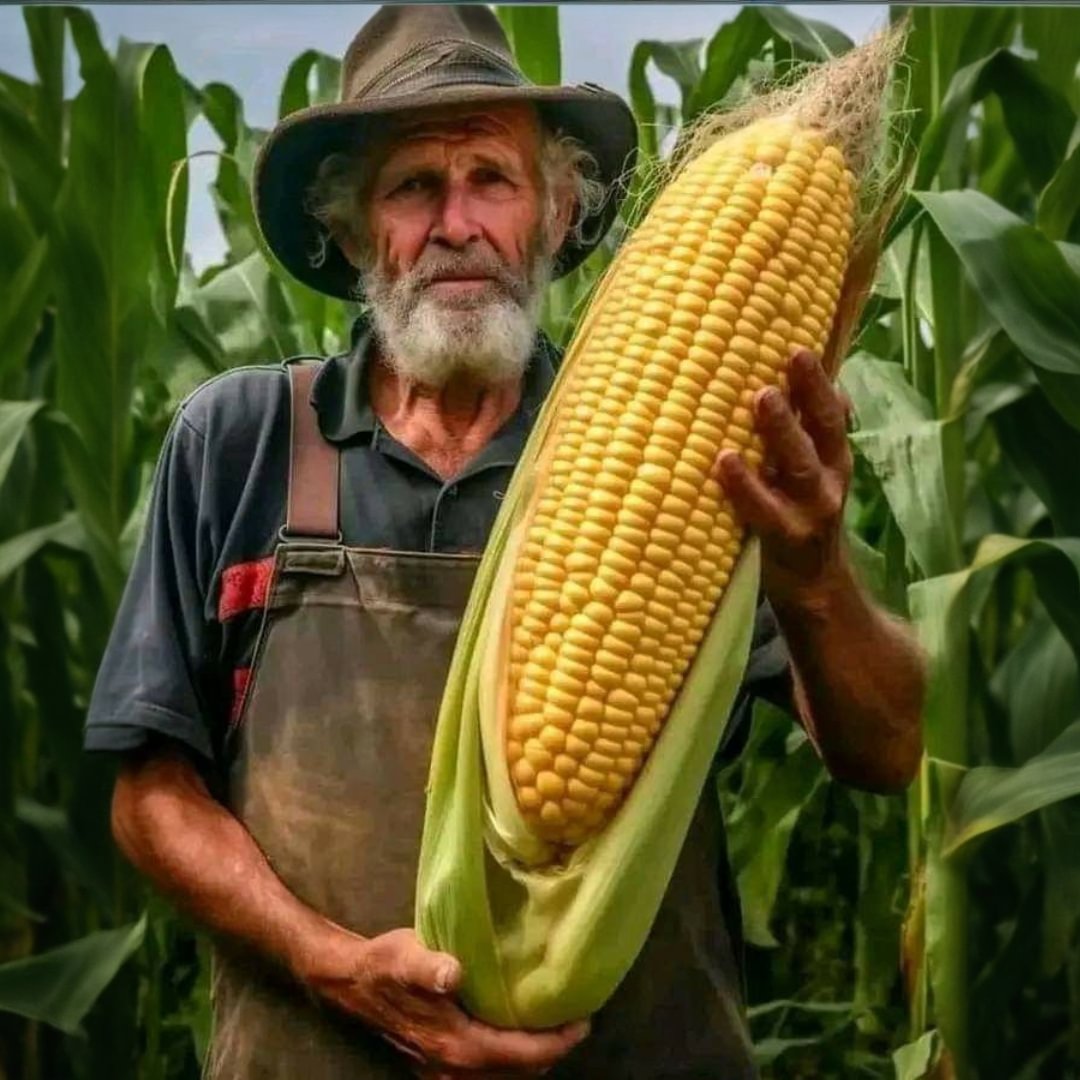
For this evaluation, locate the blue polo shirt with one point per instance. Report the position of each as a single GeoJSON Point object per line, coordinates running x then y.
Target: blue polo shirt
{"type": "Point", "coordinates": [182, 644]}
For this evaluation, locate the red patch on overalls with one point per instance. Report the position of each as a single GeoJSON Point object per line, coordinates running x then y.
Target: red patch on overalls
{"type": "Point", "coordinates": [240, 678]}
{"type": "Point", "coordinates": [243, 587]}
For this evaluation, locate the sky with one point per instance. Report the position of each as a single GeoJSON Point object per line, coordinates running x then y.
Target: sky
{"type": "Point", "coordinates": [250, 46]}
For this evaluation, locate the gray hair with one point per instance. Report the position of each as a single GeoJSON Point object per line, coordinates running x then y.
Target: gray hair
{"type": "Point", "coordinates": [337, 196]}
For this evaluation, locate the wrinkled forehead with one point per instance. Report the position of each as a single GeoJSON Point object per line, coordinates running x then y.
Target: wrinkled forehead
{"type": "Point", "coordinates": [514, 125]}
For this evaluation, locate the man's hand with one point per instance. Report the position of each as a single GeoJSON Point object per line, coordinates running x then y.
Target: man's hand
{"type": "Point", "coordinates": [796, 504]}
{"type": "Point", "coordinates": [858, 674]}
{"type": "Point", "coordinates": [405, 992]}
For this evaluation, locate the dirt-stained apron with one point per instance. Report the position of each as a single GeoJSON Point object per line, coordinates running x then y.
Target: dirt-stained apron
{"type": "Point", "coordinates": [329, 759]}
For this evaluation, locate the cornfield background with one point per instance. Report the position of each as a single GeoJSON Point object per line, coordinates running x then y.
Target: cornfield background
{"type": "Point", "coordinates": [932, 935]}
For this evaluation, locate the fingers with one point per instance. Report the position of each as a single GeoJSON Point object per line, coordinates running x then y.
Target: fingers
{"type": "Point", "coordinates": [424, 969]}
{"type": "Point", "coordinates": [486, 1048]}
{"type": "Point", "coordinates": [806, 454]}
{"type": "Point", "coordinates": [822, 407]}
{"type": "Point", "coordinates": [404, 1048]}
{"type": "Point", "coordinates": [757, 504]}
{"type": "Point", "coordinates": [418, 1015]}
{"type": "Point", "coordinates": [479, 1050]}
{"type": "Point", "coordinates": [788, 445]}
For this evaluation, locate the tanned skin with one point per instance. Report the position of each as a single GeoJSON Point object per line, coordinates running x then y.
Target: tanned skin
{"type": "Point", "coordinates": [445, 426]}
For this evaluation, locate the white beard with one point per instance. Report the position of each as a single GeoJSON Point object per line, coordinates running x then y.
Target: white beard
{"type": "Point", "coordinates": [426, 339]}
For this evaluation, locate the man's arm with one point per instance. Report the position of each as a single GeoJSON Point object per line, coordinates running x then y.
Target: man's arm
{"type": "Point", "coordinates": [198, 854]}
{"type": "Point", "coordinates": [201, 856]}
{"type": "Point", "coordinates": [859, 682]}
{"type": "Point", "coordinates": [859, 674]}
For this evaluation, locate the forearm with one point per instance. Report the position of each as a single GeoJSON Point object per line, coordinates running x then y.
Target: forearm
{"type": "Point", "coordinates": [859, 681]}
{"type": "Point", "coordinates": [200, 856]}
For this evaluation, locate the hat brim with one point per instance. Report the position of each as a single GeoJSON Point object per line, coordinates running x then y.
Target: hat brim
{"type": "Point", "coordinates": [289, 158]}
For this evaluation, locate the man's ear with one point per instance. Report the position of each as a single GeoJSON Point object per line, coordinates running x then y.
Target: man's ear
{"type": "Point", "coordinates": [559, 218]}
{"type": "Point", "coordinates": [349, 247]}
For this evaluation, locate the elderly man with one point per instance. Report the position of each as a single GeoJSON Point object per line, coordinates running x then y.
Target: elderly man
{"type": "Point", "coordinates": [276, 666]}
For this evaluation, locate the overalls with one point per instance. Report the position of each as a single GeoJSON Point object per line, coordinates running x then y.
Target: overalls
{"type": "Point", "coordinates": [328, 766]}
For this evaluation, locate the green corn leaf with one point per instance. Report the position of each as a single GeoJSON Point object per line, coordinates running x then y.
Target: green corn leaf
{"type": "Point", "coordinates": [990, 796]}
{"type": "Point", "coordinates": [1044, 449]}
{"type": "Point", "coordinates": [680, 62]}
{"type": "Point", "coordinates": [319, 322]}
{"type": "Point", "coordinates": [1060, 199]}
{"type": "Point", "coordinates": [943, 606]}
{"type": "Point", "coordinates": [68, 532]}
{"type": "Point", "coordinates": [109, 244]}
{"type": "Point", "coordinates": [1054, 33]}
{"type": "Point", "coordinates": [17, 236]}
{"type": "Point", "coordinates": [1060, 824]}
{"type": "Point", "coordinates": [13, 906]}
{"type": "Point", "coordinates": [941, 41]}
{"type": "Point", "coordinates": [31, 163]}
{"type": "Point", "coordinates": [24, 93]}
{"type": "Point", "coordinates": [60, 987]}
{"type": "Point", "coordinates": [772, 797]}
{"type": "Point", "coordinates": [811, 37]}
{"type": "Point", "coordinates": [45, 28]}
{"type": "Point", "coordinates": [727, 56]}
{"type": "Point", "coordinates": [295, 92]}
{"type": "Point", "coordinates": [914, 1060]}
{"type": "Point", "coordinates": [912, 455]}
{"type": "Point", "coordinates": [54, 827]}
{"type": "Point", "coordinates": [1039, 686]}
{"type": "Point", "coordinates": [231, 189]}
{"type": "Point", "coordinates": [22, 305]}
{"type": "Point", "coordinates": [15, 417]}
{"type": "Point", "coordinates": [882, 864]}
{"type": "Point", "coordinates": [1024, 281]}
{"type": "Point", "coordinates": [643, 100]}
{"type": "Point", "coordinates": [732, 50]}
{"type": "Point", "coordinates": [246, 311]}
{"type": "Point", "coordinates": [533, 31]}
{"type": "Point", "coordinates": [1038, 118]}
{"type": "Point", "coordinates": [769, 1049]}
{"type": "Point", "coordinates": [812, 1008]}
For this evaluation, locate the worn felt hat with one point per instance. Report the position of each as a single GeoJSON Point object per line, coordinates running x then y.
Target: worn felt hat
{"type": "Point", "coordinates": [414, 56]}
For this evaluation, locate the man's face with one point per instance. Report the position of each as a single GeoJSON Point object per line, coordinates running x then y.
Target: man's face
{"type": "Point", "coordinates": [457, 254]}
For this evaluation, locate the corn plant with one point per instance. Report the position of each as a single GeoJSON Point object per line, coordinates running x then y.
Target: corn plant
{"type": "Point", "coordinates": [932, 935]}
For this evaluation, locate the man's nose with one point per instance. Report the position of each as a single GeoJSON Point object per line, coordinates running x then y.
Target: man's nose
{"type": "Point", "coordinates": [456, 225]}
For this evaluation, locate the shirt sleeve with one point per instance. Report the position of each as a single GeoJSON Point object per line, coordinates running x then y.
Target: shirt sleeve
{"type": "Point", "coordinates": [156, 674]}
{"type": "Point", "coordinates": [768, 677]}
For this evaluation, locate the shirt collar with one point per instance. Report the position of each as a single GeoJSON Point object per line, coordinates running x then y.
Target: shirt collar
{"type": "Point", "coordinates": [339, 392]}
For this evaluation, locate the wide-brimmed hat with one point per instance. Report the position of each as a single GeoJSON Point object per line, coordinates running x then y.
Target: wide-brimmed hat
{"type": "Point", "coordinates": [414, 56]}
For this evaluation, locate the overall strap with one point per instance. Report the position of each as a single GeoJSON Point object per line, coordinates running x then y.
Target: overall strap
{"type": "Point", "coordinates": [314, 466]}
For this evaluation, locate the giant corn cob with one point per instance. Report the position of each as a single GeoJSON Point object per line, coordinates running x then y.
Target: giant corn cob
{"type": "Point", "coordinates": [630, 543]}
{"type": "Point", "coordinates": [609, 625]}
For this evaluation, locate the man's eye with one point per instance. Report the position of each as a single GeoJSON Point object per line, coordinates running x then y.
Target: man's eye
{"type": "Point", "coordinates": [413, 185]}
{"type": "Point", "coordinates": [490, 176]}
